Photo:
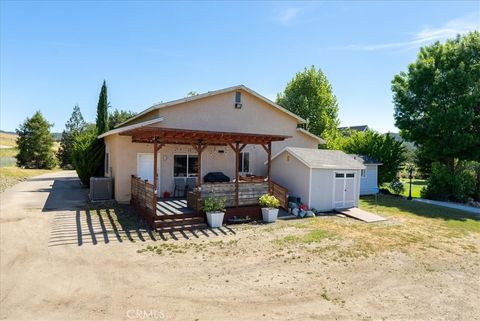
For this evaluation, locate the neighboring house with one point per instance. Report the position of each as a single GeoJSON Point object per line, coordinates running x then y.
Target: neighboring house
{"type": "Point", "coordinates": [234, 131]}
{"type": "Point", "coordinates": [361, 128]}
{"type": "Point", "coordinates": [323, 179]}
{"type": "Point", "coordinates": [369, 175]}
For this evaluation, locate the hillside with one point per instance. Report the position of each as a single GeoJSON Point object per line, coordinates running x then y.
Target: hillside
{"type": "Point", "coordinates": [7, 139]}
{"type": "Point", "coordinates": [8, 135]}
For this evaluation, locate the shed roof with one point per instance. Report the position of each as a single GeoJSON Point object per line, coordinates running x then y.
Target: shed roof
{"type": "Point", "coordinates": [366, 160]}
{"type": "Point", "coordinates": [322, 158]}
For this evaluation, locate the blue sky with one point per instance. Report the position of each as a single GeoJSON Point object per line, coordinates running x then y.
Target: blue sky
{"type": "Point", "coordinates": [56, 54]}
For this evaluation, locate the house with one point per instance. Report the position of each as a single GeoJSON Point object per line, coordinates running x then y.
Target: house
{"type": "Point", "coordinates": [171, 147]}
{"type": "Point", "coordinates": [323, 179]}
{"type": "Point", "coordinates": [361, 128]}
{"type": "Point", "coordinates": [369, 175]}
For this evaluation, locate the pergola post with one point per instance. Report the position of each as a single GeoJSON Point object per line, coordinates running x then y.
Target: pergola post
{"type": "Point", "coordinates": [199, 147]}
{"type": "Point", "coordinates": [237, 174]}
{"type": "Point", "coordinates": [270, 167]}
{"type": "Point", "coordinates": [155, 169]}
{"type": "Point", "coordinates": [156, 148]}
{"type": "Point", "coordinates": [268, 149]}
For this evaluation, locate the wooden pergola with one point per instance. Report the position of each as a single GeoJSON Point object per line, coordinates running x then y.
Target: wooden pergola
{"type": "Point", "coordinates": [199, 140]}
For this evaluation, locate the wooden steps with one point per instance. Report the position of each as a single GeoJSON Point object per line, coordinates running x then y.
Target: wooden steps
{"type": "Point", "coordinates": [180, 222]}
{"type": "Point", "coordinates": [178, 228]}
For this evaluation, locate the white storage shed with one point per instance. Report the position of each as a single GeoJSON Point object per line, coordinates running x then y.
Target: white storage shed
{"type": "Point", "coordinates": [323, 179]}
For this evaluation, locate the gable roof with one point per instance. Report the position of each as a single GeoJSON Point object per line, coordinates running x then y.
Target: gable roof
{"type": "Point", "coordinates": [131, 127]}
{"type": "Point", "coordinates": [306, 132]}
{"type": "Point", "coordinates": [365, 159]}
{"type": "Point", "coordinates": [322, 158]}
{"type": "Point", "coordinates": [299, 119]}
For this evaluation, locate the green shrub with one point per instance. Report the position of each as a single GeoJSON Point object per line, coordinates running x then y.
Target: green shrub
{"type": "Point", "coordinates": [212, 204]}
{"type": "Point", "coordinates": [397, 186]}
{"type": "Point", "coordinates": [270, 201]}
{"type": "Point", "coordinates": [445, 185]}
{"type": "Point", "coordinates": [88, 155]}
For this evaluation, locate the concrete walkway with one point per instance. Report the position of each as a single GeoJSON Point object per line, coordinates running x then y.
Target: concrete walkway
{"type": "Point", "coordinates": [450, 205]}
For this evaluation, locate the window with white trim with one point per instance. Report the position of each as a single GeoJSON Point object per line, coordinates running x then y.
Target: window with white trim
{"type": "Point", "coordinates": [244, 165]}
{"type": "Point", "coordinates": [185, 165]}
{"type": "Point", "coordinates": [363, 173]}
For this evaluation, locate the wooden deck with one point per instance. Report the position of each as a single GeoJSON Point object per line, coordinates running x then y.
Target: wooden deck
{"type": "Point", "coordinates": [179, 214]}
{"type": "Point", "coordinates": [173, 206]}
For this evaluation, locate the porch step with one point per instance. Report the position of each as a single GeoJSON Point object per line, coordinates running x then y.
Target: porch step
{"type": "Point", "coordinates": [169, 222]}
{"type": "Point", "coordinates": [187, 227]}
{"type": "Point", "coordinates": [178, 216]}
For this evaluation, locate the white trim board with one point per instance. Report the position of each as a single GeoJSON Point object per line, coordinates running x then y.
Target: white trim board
{"type": "Point", "coordinates": [134, 126]}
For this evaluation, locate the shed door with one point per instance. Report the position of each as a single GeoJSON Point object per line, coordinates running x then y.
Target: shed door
{"type": "Point", "coordinates": [145, 167]}
{"type": "Point", "coordinates": [344, 190]}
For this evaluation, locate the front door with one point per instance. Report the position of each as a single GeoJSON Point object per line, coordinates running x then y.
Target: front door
{"type": "Point", "coordinates": [344, 190]}
{"type": "Point", "coordinates": [145, 168]}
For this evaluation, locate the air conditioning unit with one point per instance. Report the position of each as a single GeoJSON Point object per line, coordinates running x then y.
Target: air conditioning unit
{"type": "Point", "coordinates": [101, 188]}
{"type": "Point", "coordinates": [238, 105]}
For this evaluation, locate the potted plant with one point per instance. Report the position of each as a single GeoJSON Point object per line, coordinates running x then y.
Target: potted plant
{"type": "Point", "coordinates": [269, 204]}
{"type": "Point", "coordinates": [214, 209]}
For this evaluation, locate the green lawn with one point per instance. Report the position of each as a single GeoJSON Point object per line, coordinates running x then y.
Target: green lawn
{"type": "Point", "coordinates": [417, 185]}
{"type": "Point", "coordinates": [411, 227]}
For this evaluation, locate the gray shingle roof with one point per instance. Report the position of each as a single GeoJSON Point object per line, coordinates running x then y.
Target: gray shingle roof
{"type": "Point", "coordinates": [323, 158]}
{"type": "Point", "coordinates": [366, 160]}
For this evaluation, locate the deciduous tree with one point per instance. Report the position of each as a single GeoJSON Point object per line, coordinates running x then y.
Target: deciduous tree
{"type": "Point", "coordinates": [310, 95]}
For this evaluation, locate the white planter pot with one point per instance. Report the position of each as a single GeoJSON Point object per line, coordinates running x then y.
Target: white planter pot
{"type": "Point", "coordinates": [269, 215]}
{"type": "Point", "coordinates": [215, 219]}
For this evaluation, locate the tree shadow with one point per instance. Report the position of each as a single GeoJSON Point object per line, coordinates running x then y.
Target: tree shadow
{"type": "Point", "coordinates": [65, 194]}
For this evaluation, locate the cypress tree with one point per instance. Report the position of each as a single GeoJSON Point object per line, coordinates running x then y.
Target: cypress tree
{"type": "Point", "coordinates": [102, 110]}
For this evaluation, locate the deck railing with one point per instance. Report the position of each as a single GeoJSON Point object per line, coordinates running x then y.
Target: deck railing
{"type": "Point", "coordinates": [143, 198]}
{"type": "Point", "coordinates": [281, 193]}
{"type": "Point", "coordinates": [249, 192]}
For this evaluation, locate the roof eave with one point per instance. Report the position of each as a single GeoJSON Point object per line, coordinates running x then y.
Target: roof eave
{"type": "Point", "coordinates": [130, 127]}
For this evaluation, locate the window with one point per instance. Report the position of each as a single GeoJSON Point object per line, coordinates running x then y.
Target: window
{"type": "Point", "coordinates": [238, 97]}
{"type": "Point", "coordinates": [350, 175]}
{"type": "Point", "coordinates": [106, 163]}
{"type": "Point", "coordinates": [185, 165]}
{"type": "Point", "coordinates": [244, 165]}
{"type": "Point", "coordinates": [364, 173]}
{"type": "Point", "coordinates": [339, 175]}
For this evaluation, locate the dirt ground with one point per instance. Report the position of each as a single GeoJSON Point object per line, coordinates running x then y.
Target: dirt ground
{"type": "Point", "coordinates": [61, 260]}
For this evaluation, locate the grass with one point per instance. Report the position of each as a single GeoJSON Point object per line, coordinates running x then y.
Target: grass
{"type": "Point", "coordinates": [8, 152]}
{"type": "Point", "coordinates": [412, 227]}
{"type": "Point", "coordinates": [11, 175]}
{"type": "Point", "coordinates": [8, 139]}
{"type": "Point", "coordinates": [417, 186]}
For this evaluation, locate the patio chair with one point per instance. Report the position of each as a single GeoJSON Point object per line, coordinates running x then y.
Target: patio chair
{"type": "Point", "coordinates": [180, 186]}
{"type": "Point", "coordinates": [191, 183]}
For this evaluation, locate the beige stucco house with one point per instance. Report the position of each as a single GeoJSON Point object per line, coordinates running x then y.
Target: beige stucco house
{"type": "Point", "coordinates": [212, 111]}
{"type": "Point", "coordinates": [235, 131]}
